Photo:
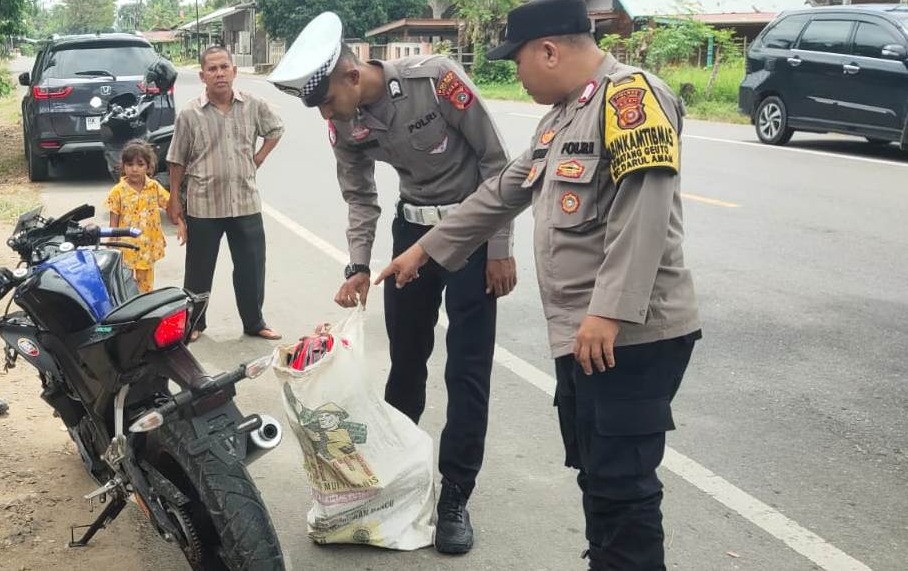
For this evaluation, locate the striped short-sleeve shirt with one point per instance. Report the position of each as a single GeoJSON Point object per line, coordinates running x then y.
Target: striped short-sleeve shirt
{"type": "Point", "coordinates": [216, 148]}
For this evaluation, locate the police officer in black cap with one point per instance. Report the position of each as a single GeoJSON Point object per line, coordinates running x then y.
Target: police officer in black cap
{"type": "Point", "coordinates": [421, 115]}
{"type": "Point", "coordinates": [602, 174]}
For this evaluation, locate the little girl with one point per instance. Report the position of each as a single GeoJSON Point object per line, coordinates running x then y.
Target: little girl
{"type": "Point", "coordinates": [136, 201]}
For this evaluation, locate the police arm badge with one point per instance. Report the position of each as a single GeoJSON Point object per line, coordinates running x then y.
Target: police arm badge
{"type": "Point", "coordinates": [637, 132]}
{"type": "Point", "coordinates": [453, 89]}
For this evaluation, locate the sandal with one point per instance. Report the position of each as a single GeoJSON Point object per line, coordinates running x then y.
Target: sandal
{"type": "Point", "coordinates": [193, 336]}
{"type": "Point", "coordinates": [265, 333]}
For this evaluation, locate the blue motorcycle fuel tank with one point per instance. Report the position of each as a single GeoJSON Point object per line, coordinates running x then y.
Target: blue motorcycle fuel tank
{"type": "Point", "coordinates": [68, 293]}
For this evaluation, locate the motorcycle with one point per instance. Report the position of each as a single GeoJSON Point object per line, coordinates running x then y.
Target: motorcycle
{"type": "Point", "coordinates": [106, 356]}
{"type": "Point", "coordinates": [127, 118]}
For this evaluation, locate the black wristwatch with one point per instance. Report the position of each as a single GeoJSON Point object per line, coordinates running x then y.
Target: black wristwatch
{"type": "Point", "coordinates": [353, 269]}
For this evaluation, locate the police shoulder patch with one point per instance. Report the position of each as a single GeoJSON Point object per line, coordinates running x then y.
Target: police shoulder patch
{"type": "Point", "coordinates": [638, 134]}
{"type": "Point", "coordinates": [452, 88]}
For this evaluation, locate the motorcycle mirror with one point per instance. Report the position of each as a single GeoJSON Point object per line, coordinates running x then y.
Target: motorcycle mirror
{"type": "Point", "coordinates": [96, 102]}
{"type": "Point", "coordinates": [259, 366]}
{"type": "Point", "coordinates": [82, 212]}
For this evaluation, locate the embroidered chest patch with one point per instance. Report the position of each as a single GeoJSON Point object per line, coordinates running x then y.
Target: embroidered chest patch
{"type": "Point", "coordinates": [570, 202]}
{"type": "Point", "coordinates": [570, 169]}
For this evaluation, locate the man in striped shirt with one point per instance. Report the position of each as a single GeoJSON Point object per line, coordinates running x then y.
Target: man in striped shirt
{"type": "Point", "coordinates": [214, 149]}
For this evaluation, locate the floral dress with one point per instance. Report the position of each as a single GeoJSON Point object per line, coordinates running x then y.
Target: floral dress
{"type": "Point", "coordinates": [140, 209]}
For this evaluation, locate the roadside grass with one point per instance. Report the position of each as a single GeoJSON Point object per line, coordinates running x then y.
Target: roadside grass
{"type": "Point", "coordinates": [510, 91]}
{"type": "Point", "coordinates": [17, 194]}
{"type": "Point", "coordinates": [721, 105]}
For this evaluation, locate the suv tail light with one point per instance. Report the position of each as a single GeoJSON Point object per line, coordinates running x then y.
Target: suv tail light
{"type": "Point", "coordinates": [171, 329]}
{"type": "Point", "coordinates": [151, 89]}
{"type": "Point", "coordinates": [52, 93]}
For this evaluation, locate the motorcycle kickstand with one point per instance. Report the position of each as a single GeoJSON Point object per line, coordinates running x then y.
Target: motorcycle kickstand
{"type": "Point", "coordinates": [107, 516]}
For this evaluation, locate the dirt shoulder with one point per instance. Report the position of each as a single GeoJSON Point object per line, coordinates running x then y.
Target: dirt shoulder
{"type": "Point", "coordinates": [42, 479]}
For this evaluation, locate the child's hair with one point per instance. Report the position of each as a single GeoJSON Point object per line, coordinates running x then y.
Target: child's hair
{"type": "Point", "coordinates": [139, 149]}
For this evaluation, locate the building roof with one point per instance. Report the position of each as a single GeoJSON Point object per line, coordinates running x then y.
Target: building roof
{"type": "Point", "coordinates": [644, 8]}
{"type": "Point", "coordinates": [424, 25]}
{"type": "Point", "coordinates": [218, 14]}
{"type": "Point", "coordinates": [160, 36]}
{"type": "Point", "coordinates": [748, 18]}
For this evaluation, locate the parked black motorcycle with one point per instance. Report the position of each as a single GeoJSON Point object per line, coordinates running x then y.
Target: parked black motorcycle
{"type": "Point", "coordinates": [105, 356]}
{"type": "Point", "coordinates": [128, 118]}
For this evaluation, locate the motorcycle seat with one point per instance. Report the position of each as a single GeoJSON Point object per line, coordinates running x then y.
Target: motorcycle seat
{"type": "Point", "coordinates": [138, 306]}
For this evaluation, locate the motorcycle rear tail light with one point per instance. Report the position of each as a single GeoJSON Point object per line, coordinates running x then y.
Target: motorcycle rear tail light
{"type": "Point", "coordinates": [51, 93]}
{"type": "Point", "coordinates": [171, 329]}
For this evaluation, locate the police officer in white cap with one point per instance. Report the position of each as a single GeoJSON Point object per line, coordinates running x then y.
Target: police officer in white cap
{"type": "Point", "coordinates": [421, 115]}
{"type": "Point", "coordinates": [602, 175]}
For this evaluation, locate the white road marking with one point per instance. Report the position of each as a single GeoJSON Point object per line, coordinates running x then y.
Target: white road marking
{"type": "Point", "coordinates": [797, 150]}
{"type": "Point", "coordinates": [706, 200]}
{"type": "Point", "coordinates": [764, 146]}
{"type": "Point", "coordinates": [798, 538]}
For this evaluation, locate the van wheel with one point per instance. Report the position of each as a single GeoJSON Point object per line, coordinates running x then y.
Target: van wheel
{"type": "Point", "coordinates": [771, 121]}
{"type": "Point", "coordinates": [37, 166]}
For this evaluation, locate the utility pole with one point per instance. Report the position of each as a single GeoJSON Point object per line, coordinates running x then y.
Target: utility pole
{"type": "Point", "coordinates": [198, 35]}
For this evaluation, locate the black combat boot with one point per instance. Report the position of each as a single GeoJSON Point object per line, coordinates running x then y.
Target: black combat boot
{"type": "Point", "coordinates": [453, 534]}
{"type": "Point", "coordinates": [596, 560]}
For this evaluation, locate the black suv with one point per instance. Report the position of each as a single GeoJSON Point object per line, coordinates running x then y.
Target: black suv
{"type": "Point", "coordinates": [69, 71]}
{"type": "Point", "coordinates": [838, 69]}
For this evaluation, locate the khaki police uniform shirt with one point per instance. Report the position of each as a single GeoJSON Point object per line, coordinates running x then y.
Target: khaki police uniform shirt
{"type": "Point", "coordinates": [433, 128]}
{"type": "Point", "coordinates": [217, 149]}
{"type": "Point", "coordinates": [602, 178]}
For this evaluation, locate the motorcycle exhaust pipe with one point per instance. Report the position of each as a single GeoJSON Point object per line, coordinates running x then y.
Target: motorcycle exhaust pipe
{"type": "Point", "coordinates": [263, 439]}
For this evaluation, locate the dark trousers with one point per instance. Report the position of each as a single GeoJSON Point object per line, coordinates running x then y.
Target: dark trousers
{"type": "Point", "coordinates": [246, 239]}
{"type": "Point", "coordinates": [613, 425]}
{"type": "Point", "coordinates": [410, 317]}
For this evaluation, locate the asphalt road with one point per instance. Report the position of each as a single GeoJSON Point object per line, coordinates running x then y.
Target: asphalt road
{"type": "Point", "coordinates": [791, 447]}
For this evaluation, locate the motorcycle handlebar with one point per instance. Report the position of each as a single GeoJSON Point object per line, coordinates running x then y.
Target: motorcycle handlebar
{"type": "Point", "coordinates": [105, 232]}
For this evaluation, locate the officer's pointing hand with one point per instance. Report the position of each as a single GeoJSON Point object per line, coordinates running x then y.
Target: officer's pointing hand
{"type": "Point", "coordinates": [405, 267]}
{"type": "Point", "coordinates": [501, 276]}
{"type": "Point", "coordinates": [595, 343]}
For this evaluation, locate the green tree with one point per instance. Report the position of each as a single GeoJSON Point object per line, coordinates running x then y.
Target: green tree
{"type": "Point", "coordinates": [483, 19]}
{"type": "Point", "coordinates": [13, 17]}
{"type": "Point", "coordinates": [45, 22]}
{"type": "Point", "coordinates": [150, 15]}
{"type": "Point", "coordinates": [86, 16]}
{"type": "Point", "coordinates": [285, 18]}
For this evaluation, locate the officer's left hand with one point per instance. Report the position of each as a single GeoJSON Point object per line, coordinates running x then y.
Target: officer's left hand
{"type": "Point", "coordinates": [595, 343]}
{"type": "Point", "coordinates": [501, 276]}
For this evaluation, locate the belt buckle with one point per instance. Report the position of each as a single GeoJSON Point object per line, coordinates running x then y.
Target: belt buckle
{"type": "Point", "coordinates": [430, 215]}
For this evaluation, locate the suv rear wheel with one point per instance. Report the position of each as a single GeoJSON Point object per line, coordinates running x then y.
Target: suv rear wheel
{"type": "Point", "coordinates": [37, 166]}
{"type": "Point", "coordinates": [771, 121]}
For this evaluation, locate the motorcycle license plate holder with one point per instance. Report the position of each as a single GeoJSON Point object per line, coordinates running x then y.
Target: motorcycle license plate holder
{"type": "Point", "coordinates": [216, 431]}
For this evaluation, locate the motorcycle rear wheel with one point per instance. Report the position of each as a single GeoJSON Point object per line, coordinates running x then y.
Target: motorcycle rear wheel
{"type": "Point", "coordinates": [226, 525]}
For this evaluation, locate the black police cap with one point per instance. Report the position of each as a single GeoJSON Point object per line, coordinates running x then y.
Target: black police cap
{"type": "Point", "coordinates": [540, 19]}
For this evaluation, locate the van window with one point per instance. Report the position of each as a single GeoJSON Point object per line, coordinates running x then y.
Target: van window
{"type": "Point", "coordinates": [826, 36]}
{"type": "Point", "coordinates": [120, 60]}
{"type": "Point", "coordinates": [870, 39]}
{"type": "Point", "coordinates": [785, 32]}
